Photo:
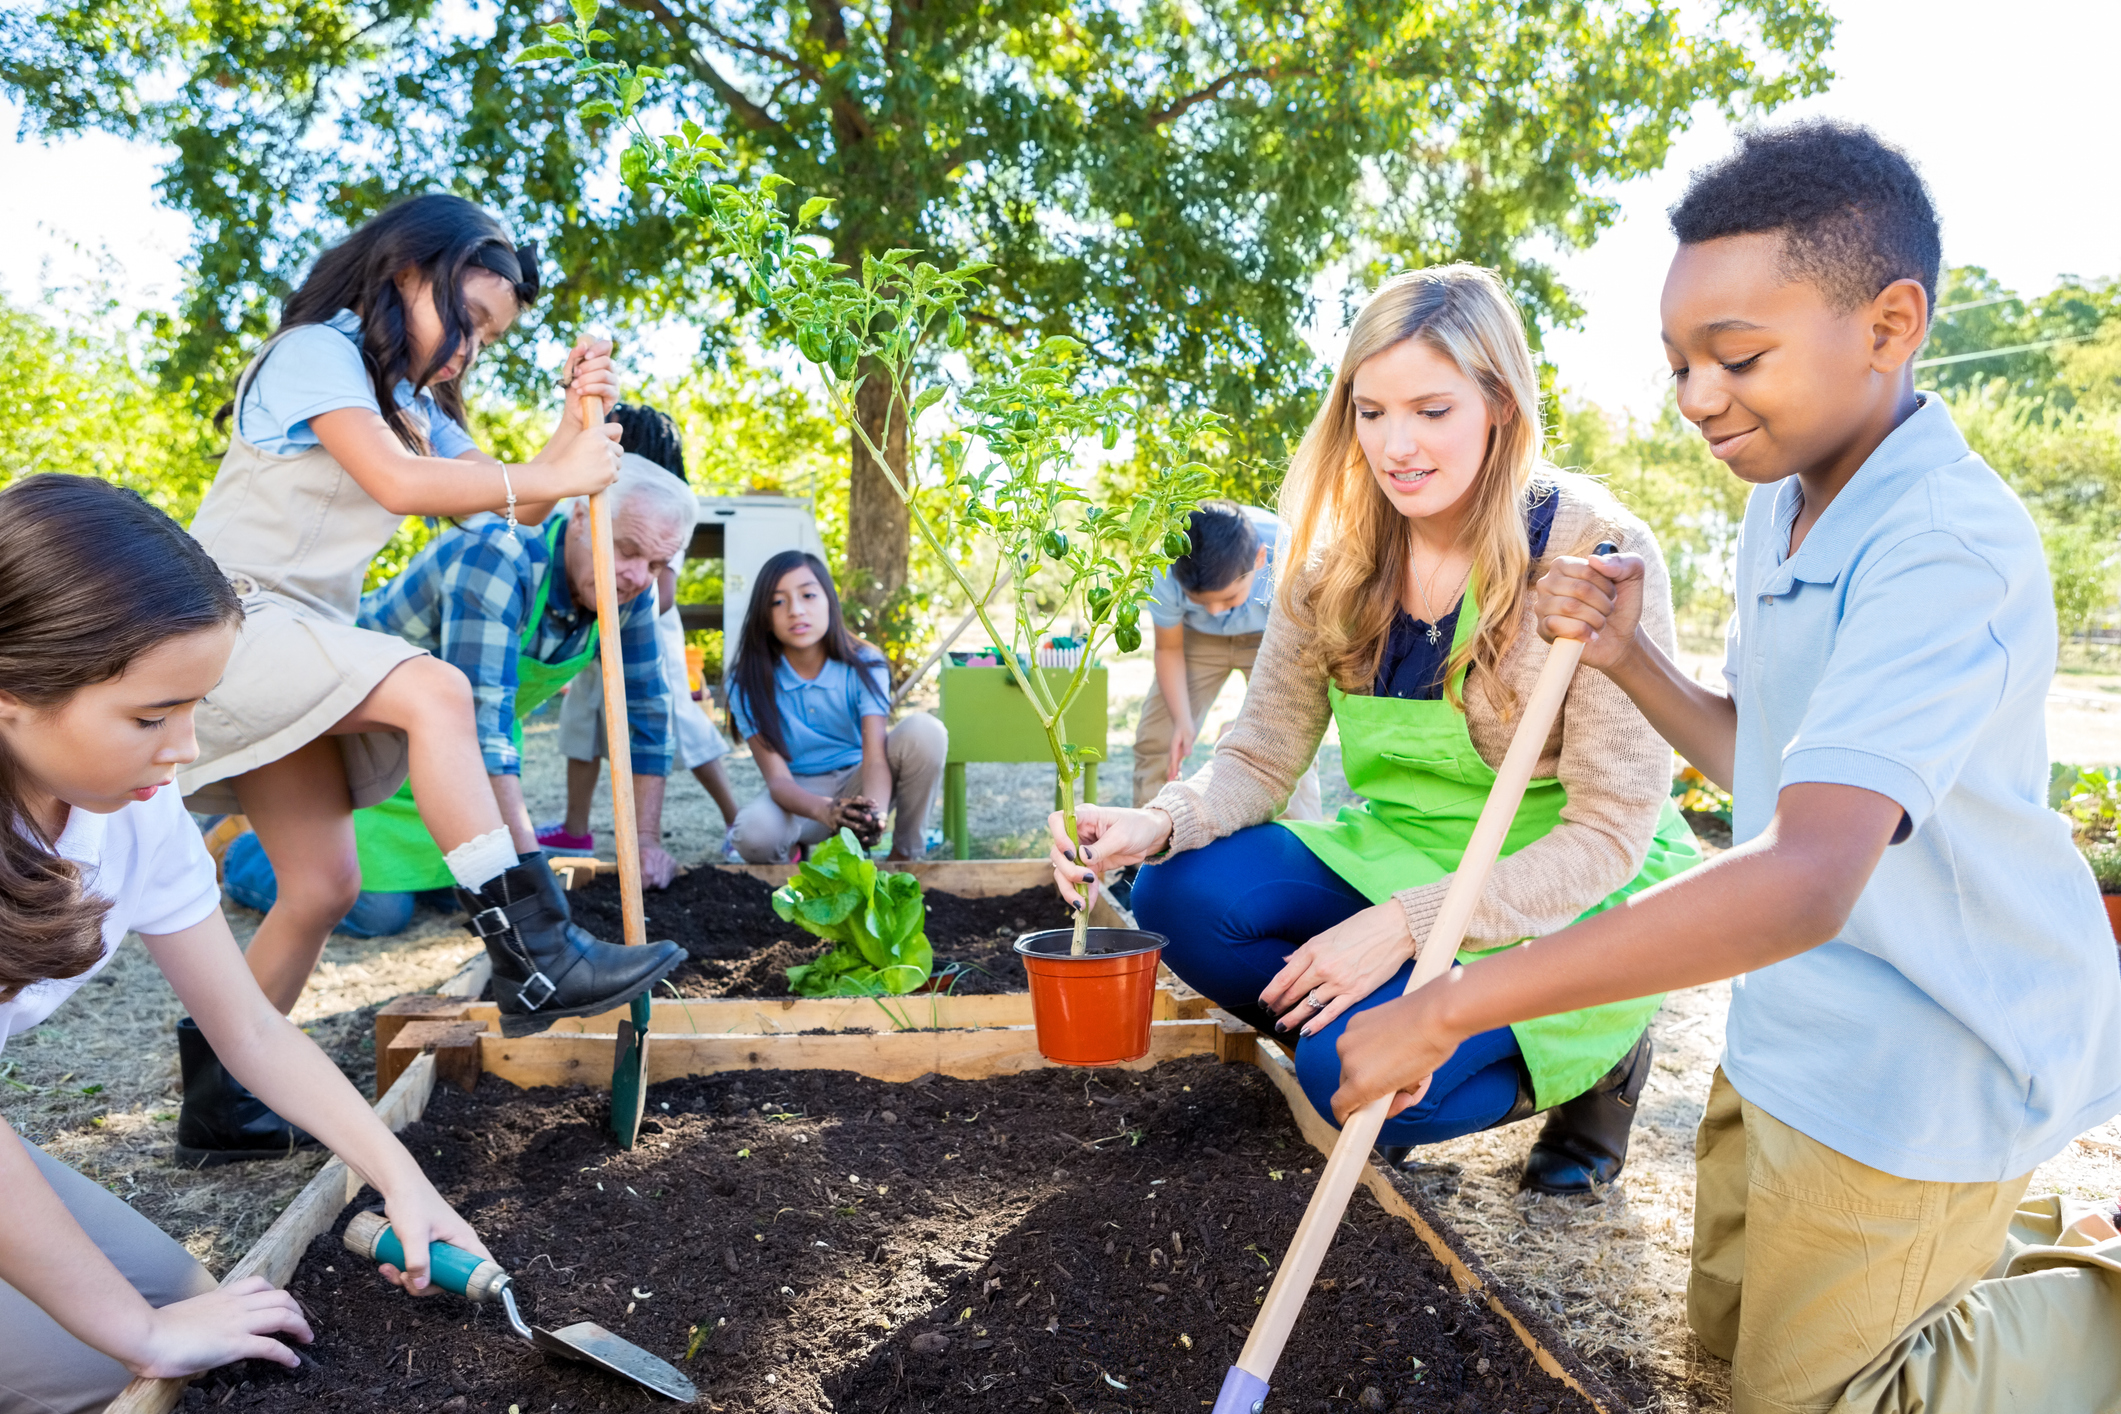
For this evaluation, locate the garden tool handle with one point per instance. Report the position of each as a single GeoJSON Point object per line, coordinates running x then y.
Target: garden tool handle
{"type": "Point", "coordinates": [1245, 1387]}
{"type": "Point", "coordinates": [370, 1235]}
{"type": "Point", "coordinates": [618, 741]}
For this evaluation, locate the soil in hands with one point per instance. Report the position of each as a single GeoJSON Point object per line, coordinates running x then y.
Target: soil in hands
{"type": "Point", "coordinates": [1082, 1242]}
{"type": "Point", "coordinates": [739, 948]}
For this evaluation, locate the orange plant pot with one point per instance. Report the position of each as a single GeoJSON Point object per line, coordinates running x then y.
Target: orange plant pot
{"type": "Point", "coordinates": [2113, 915]}
{"type": "Point", "coordinates": [695, 668]}
{"type": "Point", "coordinates": [1093, 1009]}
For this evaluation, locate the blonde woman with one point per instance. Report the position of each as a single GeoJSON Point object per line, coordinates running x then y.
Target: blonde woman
{"type": "Point", "coordinates": [1418, 508]}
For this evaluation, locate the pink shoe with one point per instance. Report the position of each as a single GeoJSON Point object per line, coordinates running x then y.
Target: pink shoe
{"type": "Point", "coordinates": [555, 837]}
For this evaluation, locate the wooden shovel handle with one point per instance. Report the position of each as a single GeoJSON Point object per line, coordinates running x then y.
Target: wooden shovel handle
{"type": "Point", "coordinates": [618, 741]}
{"type": "Point", "coordinates": [1344, 1166]}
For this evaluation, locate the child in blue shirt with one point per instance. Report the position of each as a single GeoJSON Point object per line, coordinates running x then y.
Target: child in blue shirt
{"type": "Point", "coordinates": [1926, 1003]}
{"type": "Point", "coordinates": [814, 703]}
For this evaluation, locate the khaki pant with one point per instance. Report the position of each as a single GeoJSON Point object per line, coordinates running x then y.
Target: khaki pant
{"type": "Point", "coordinates": [767, 834]}
{"type": "Point", "coordinates": [1831, 1286]}
{"type": "Point", "coordinates": [43, 1369]}
{"type": "Point", "coordinates": [1210, 659]}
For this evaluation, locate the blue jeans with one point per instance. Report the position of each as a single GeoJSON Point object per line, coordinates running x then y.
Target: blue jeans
{"type": "Point", "coordinates": [1234, 911]}
{"type": "Point", "coordinates": [247, 875]}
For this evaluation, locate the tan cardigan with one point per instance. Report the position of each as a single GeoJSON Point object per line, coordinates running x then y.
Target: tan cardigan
{"type": "Point", "coordinates": [1616, 770]}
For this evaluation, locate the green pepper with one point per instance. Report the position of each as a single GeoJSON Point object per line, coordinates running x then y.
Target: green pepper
{"type": "Point", "coordinates": [1056, 545]}
{"type": "Point", "coordinates": [844, 353]}
{"type": "Point", "coordinates": [954, 335]}
{"type": "Point", "coordinates": [1176, 544]}
{"type": "Point", "coordinates": [811, 340]}
{"type": "Point", "coordinates": [1098, 597]}
{"type": "Point", "coordinates": [1128, 637]}
{"type": "Point", "coordinates": [1111, 436]}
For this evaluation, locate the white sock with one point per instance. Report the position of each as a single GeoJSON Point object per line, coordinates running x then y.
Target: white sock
{"type": "Point", "coordinates": [477, 863]}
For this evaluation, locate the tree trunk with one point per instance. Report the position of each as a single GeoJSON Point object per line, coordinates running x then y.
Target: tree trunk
{"type": "Point", "coordinates": [878, 527]}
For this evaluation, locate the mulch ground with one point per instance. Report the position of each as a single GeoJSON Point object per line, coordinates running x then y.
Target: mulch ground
{"type": "Point", "coordinates": [740, 948]}
{"type": "Point", "coordinates": [1077, 1242]}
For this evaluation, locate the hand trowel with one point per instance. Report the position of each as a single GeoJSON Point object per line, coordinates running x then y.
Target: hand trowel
{"type": "Point", "coordinates": [453, 1269]}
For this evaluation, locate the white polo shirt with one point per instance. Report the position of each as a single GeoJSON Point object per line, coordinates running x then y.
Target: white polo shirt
{"type": "Point", "coordinates": [149, 861]}
{"type": "Point", "coordinates": [1966, 1025]}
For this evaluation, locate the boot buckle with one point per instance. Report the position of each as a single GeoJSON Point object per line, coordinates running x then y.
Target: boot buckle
{"type": "Point", "coordinates": [537, 989]}
{"type": "Point", "coordinates": [490, 922]}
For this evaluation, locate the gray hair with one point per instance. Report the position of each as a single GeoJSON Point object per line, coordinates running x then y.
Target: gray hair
{"type": "Point", "coordinates": [649, 488]}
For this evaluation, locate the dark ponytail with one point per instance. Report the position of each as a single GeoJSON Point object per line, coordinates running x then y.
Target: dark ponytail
{"type": "Point", "coordinates": [758, 652]}
{"type": "Point", "coordinates": [91, 577]}
{"type": "Point", "coordinates": [441, 236]}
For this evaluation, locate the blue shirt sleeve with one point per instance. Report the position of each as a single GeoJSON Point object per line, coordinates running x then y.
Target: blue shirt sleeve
{"type": "Point", "coordinates": [313, 370]}
{"type": "Point", "coordinates": [1167, 602]}
{"type": "Point", "coordinates": [647, 693]}
{"type": "Point", "coordinates": [868, 696]}
{"type": "Point", "coordinates": [1915, 674]}
{"type": "Point", "coordinates": [740, 713]}
{"type": "Point", "coordinates": [448, 437]}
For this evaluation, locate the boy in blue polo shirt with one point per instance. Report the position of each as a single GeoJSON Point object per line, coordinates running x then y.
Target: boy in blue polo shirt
{"type": "Point", "coordinates": [1209, 610]}
{"type": "Point", "coordinates": [1926, 1001]}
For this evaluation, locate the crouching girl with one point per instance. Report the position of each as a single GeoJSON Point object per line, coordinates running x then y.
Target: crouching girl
{"type": "Point", "coordinates": [118, 624]}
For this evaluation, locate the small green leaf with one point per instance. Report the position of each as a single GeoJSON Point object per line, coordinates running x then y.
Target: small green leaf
{"type": "Point", "coordinates": [540, 53]}
{"type": "Point", "coordinates": [600, 108]}
{"type": "Point", "coordinates": [586, 10]}
{"type": "Point", "coordinates": [929, 398]}
{"type": "Point", "coordinates": [812, 209]}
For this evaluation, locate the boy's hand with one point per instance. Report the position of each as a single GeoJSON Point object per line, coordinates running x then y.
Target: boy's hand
{"type": "Point", "coordinates": [1392, 1050]}
{"type": "Point", "coordinates": [1595, 601]}
{"type": "Point", "coordinates": [1181, 748]}
{"type": "Point", "coordinates": [233, 1322]}
{"type": "Point", "coordinates": [1113, 837]}
{"type": "Point", "coordinates": [419, 1216]}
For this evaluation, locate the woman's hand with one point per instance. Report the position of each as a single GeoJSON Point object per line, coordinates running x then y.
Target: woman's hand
{"type": "Point", "coordinates": [1596, 601]}
{"type": "Point", "coordinates": [586, 374]}
{"type": "Point", "coordinates": [1339, 967]}
{"type": "Point", "coordinates": [232, 1322]}
{"type": "Point", "coordinates": [1112, 838]}
{"type": "Point", "coordinates": [419, 1216]}
{"type": "Point", "coordinates": [1393, 1050]}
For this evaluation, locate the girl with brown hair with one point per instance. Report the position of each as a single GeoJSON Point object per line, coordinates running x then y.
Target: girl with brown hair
{"type": "Point", "coordinates": [1418, 507]}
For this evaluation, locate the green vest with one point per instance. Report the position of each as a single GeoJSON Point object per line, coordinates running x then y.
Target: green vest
{"type": "Point", "coordinates": [397, 854]}
{"type": "Point", "coordinates": [1423, 784]}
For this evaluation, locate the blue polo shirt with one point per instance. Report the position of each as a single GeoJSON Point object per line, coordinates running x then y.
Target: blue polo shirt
{"type": "Point", "coordinates": [821, 720]}
{"type": "Point", "coordinates": [1169, 607]}
{"type": "Point", "coordinates": [1966, 1025]}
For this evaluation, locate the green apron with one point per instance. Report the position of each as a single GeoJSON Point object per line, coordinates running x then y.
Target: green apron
{"type": "Point", "coordinates": [397, 854]}
{"type": "Point", "coordinates": [1423, 784]}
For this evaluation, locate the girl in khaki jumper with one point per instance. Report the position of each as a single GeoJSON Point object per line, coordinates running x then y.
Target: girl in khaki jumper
{"type": "Point", "coordinates": [1419, 506]}
{"type": "Point", "coordinates": [346, 422]}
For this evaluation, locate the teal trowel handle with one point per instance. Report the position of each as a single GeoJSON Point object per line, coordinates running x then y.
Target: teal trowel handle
{"type": "Point", "coordinates": [451, 1268]}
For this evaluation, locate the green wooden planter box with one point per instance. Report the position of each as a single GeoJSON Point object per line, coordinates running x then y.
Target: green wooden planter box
{"type": "Point", "coordinates": [989, 720]}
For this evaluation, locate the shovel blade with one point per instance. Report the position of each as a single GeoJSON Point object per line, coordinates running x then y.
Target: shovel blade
{"type": "Point", "coordinates": [629, 1074]}
{"type": "Point", "coordinates": [591, 1343]}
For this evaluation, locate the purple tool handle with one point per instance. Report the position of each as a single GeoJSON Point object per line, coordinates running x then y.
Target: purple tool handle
{"type": "Point", "coordinates": [1242, 1393]}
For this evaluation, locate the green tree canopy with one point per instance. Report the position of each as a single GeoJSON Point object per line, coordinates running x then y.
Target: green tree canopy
{"type": "Point", "coordinates": [1163, 181]}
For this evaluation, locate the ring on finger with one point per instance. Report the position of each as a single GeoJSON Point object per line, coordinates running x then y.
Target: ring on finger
{"type": "Point", "coordinates": [1315, 1001]}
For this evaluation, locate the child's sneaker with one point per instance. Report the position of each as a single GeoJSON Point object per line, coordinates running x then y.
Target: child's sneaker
{"type": "Point", "coordinates": [729, 850]}
{"type": "Point", "coordinates": [554, 837]}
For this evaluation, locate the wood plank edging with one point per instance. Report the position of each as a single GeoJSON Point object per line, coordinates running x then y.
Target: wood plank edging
{"type": "Point", "coordinates": [310, 1215]}
{"type": "Point", "coordinates": [1321, 1133]}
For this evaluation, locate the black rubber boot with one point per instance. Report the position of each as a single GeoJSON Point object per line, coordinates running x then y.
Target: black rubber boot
{"type": "Point", "coordinates": [1523, 1107]}
{"type": "Point", "coordinates": [544, 967]}
{"type": "Point", "coordinates": [1585, 1140]}
{"type": "Point", "coordinates": [220, 1121]}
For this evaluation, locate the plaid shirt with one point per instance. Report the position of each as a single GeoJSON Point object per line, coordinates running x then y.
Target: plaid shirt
{"type": "Point", "coordinates": [463, 599]}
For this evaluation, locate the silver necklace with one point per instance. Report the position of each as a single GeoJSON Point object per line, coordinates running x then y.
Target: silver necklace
{"type": "Point", "coordinates": [1435, 634]}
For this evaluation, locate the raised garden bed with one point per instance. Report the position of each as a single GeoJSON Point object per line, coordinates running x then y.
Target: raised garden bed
{"type": "Point", "coordinates": [1049, 1239]}
{"type": "Point", "coordinates": [723, 917]}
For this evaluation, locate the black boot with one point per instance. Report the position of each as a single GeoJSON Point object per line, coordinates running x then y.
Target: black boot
{"type": "Point", "coordinates": [544, 967]}
{"type": "Point", "coordinates": [220, 1121]}
{"type": "Point", "coordinates": [1585, 1140]}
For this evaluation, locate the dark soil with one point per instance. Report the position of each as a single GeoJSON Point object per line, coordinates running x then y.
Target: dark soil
{"type": "Point", "coordinates": [741, 949]}
{"type": "Point", "coordinates": [1076, 1242]}
{"type": "Point", "coordinates": [1712, 830]}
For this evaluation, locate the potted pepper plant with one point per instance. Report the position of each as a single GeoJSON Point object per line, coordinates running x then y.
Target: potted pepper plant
{"type": "Point", "coordinates": [1010, 476]}
{"type": "Point", "coordinates": [2092, 801]}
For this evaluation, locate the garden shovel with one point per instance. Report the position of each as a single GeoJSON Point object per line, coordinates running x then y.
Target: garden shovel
{"type": "Point", "coordinates": [629, 1067]}
{"type": "Point", "coordinates": [453, 1269]}
{"type": "Point", "coordinates": [1244, 1389]}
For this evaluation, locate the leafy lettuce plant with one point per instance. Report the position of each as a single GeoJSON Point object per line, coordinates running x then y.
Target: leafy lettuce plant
{"type": "Point", "coordinates": [875, 916]}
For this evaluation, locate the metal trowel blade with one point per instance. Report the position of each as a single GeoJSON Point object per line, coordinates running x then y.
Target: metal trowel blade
{"type": "Point", "coordinates": [587, 1341]}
